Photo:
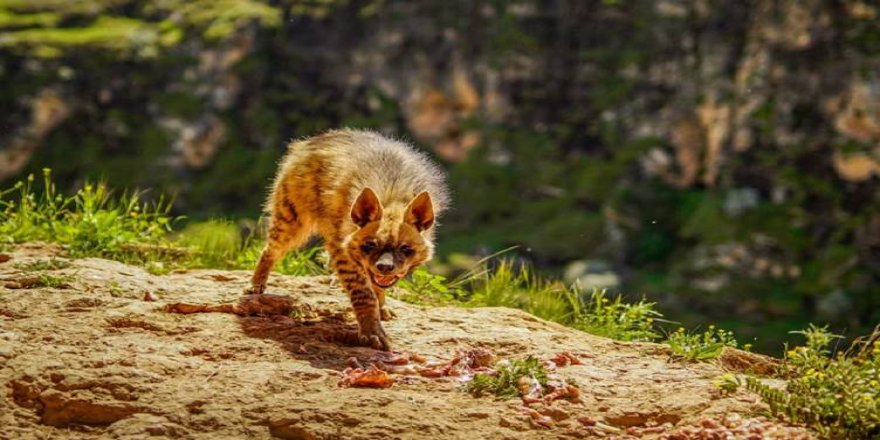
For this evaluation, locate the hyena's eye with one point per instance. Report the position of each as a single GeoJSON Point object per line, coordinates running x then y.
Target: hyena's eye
{"type": "Point", "coordinates": [368, 247]}
{"type": "Point", "coordinates": [407, 251]}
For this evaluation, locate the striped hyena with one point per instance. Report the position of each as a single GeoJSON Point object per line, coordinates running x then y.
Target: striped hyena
{"type": "Point", "coordinates": [373, 200]}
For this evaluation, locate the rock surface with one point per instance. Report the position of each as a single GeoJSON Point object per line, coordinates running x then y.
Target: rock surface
{"type": "Point", "coordinates": [103, 359]}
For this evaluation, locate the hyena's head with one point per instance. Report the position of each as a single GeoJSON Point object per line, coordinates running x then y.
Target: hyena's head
{"type": "Point", "coordinates": [390, 241]}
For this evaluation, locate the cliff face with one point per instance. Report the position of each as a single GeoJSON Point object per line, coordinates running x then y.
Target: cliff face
{"type": "Point", "coordinates": [720, 152]}
{"type": "Point", "coordinates": [98, 355]}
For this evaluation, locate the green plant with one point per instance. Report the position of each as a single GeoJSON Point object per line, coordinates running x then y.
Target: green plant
{"type": "Point", "coordinates": [41, 265]}
{"type": "Point", "coordinates": [91, 222]}
{"type": "Point", "coordinates": [508, 286]}
{"type": "Point", "coordinates": [424, 287]}
{"type": "Point", "coordinates": [728, 383]}
{"type": "Point", "coordinates": [54, 281]}
{"type": "Point", "coordinates": [116, 290]}
{"type": "Point", "coordinates": [506, 384]}
{"type": "Point", "coordinates": [700, 346]}
{"type": "Point", "coordinates": [307, 261]}
{"type": "Point", "coordinates": [213, 243]}
{"type": "Point", "coordinates": [614, 318]}
{"type": "Point", "coordinates": [836, 395]}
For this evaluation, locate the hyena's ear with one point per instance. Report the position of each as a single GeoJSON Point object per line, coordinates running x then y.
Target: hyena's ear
{"type": "Point", "coordinates": [366, 208]}
{"type": "Point", "coordinates": [420, 212]}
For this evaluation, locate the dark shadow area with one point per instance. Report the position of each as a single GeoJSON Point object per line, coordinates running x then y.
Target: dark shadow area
{"type": "Point", "coordinates": [325, 338]}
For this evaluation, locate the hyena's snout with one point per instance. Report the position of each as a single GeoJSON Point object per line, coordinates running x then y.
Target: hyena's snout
{"type": "Point", "coordinates": [385, 263]}
{"type": "Point", "coordinates": [385, 272]}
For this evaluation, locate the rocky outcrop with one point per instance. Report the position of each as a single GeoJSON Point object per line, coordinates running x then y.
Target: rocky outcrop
{"type": "Point", "coordinates": [102, 359]}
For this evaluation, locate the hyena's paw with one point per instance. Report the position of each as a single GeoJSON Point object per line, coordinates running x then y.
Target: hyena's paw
{"type": "Point", "coordinates": [374, 336]}
{"type": "Point", "coordinates": [387, 314]}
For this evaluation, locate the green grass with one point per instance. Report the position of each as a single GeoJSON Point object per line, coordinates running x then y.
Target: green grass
{"type": "Point", "coordinates": [837, 395]}
{"type": "Point", "coordinates": [519, 288]}
{"type": "Point", "coordinates": [95, 222]}
{"type": "Point", "coordinates": [91, 222]}
{"type": "Point", "coordinates": [221, 244]}
{"type": "Point", "coordinates": [701, 346]}
{"type": "Point", "coordinates": [613, 318]}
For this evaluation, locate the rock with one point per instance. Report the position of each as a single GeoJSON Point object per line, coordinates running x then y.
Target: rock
{"type": "Point", "coordinates": [122, 368]}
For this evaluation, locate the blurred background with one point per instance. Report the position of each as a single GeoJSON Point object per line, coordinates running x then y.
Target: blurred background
{"type": "Point", "coordinates": [720, 158]}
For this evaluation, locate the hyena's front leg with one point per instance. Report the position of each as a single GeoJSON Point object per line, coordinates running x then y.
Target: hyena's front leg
{"type": "Point", "coordinates": [286, 231]}
{"type": "Point", "coordinates": [365, 303]}
{"type": "Point", "coordinates": [384, 312]}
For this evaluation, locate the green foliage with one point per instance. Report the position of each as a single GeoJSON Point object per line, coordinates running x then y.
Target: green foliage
{"type": "Point", "coordinates": [614, 318]}
{"type": "Point", "coordinates": [221, 244]}
{"type": "Point", "coordinates": [91, 222]}
{"type": "Point", "coordinates": [700, 347]}
{"type": "Point", "coordinates": [39, 27]}
{"type": "Point", "coordinates": [43, 265]}
{"type": "Point", "coordinates": [509, 286]}
{"type": "Point", "coordinates": [728, 383]}
{"type": "Point", "coordinates": [95, 222]}
{"type": "Point", "coordinates": [301, 262]}
{"type": "Point", "coordinates": [506, 384]}
{"type": "Point", "coordinates": [53, 281]}
{"type": "Point", "coordinates": [218, 18]}
{"type": "Point", "coordinates": [11, 20]}
{"type": "Point", "coordinates": [424, 287]}
{"type": "Point", "coordinates": [214, 243]}
{"type": "Point", "coordinates": [836, 395]}
{"type": "Point", "coordinates": [115, 34]}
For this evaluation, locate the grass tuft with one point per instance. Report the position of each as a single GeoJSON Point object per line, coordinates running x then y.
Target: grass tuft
{"type": "Point", "coordinates": [42, 265]}
{"type": "Point", "coordinates": [91, 222]}
{"type": "Point", "coordinates": [701, 346]}
{"type": "Point", "coordinates": [54, 281]}
{"type": "Point", "coordinates": [509, 286]}
{"type": "Point", "coordinates": [616, 319]}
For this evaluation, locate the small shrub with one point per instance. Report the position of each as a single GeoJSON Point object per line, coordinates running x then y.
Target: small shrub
{"type": "Point", "coordinates": [836, 395]}
{"type": "Point", "coordinates": [426, 288]}
{"type": "Point", "coordinates": [703, 346]}
{"type": "Point", "coordinates": [728, 383]}
{"type": "Point", "coordinates": [505, 385]}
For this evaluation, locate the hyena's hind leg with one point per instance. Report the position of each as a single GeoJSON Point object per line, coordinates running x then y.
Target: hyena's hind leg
{"type": "Point", "coordinates": [287, 231]}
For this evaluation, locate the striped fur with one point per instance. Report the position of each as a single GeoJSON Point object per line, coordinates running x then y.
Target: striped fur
{"type": "Point", "coordinates": [373, 200]}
